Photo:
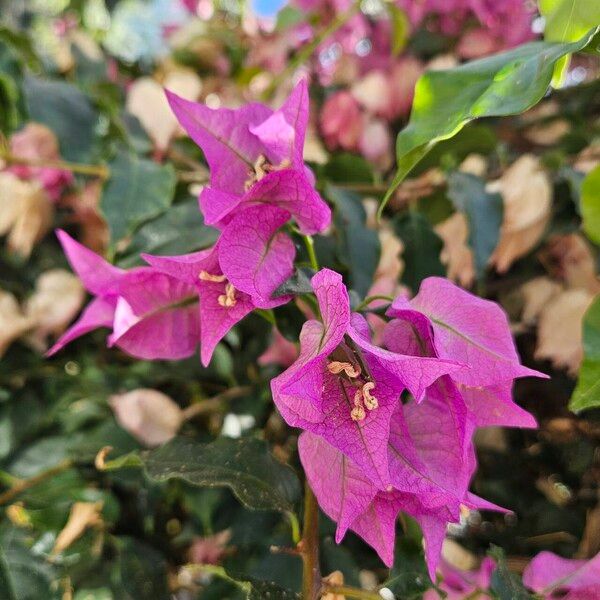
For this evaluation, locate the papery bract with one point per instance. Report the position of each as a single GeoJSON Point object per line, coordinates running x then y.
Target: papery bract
{"type": "Point", "coordinates": [458, 584]}
{"type": "Point", "coordinates": [151, 314]}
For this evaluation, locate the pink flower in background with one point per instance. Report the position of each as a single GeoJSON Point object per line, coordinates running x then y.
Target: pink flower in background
{"type": "Point", "coordinates": [280, 351]}
{"type": "Point", "coordinates": [152, 315]}
{"type": "Point", "coordinates": [554, 577]}
{"type": "Point", "coordinates": [342, 121]}
{"type": "Point", "coordinates": [256, 165]}
{"type": "Point", "coordinates": [458, 584]}
{"type": "Point", "coordinates": [35, 142]}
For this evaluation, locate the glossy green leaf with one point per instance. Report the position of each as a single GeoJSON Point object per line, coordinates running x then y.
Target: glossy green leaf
{"type": "Point", "coordinates": [445, 101]}
{"type": "Point", "coordinates": [178, 231]}
{"type": "Point", "coordinates": [422, 247]}
{"type": "Point", "coordinates": [138, 190]}
{"type": "Point", "coordinates": [66, 110]}
{"type": "Point", "coordinates": [484, 214]}
{"type": "Point", "coordinates": [568, 20]}
{"type": "Point", "coordinates": [243, 465]}
{"type": "Point", "coordinates": [587, 392]}
{"type": "Point", "coordinates": [590, 205]}
{"type": "Point", "coordinates": [358, 246]}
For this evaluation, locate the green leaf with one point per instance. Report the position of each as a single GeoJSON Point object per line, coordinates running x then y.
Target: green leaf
{"type": "Point", "coordinates": [590, 205]}
{"type": "Point", "coordinates": [23, 575]}
{"type": "Point", "coordinates": [178, 231]}
{"type": "Point", "coordinates": [297, 284]}
{"type": "Point", "coordinates": [408, 577]}
{"type": "Point", "coordinates": [587, 392]}
{"type": "Point", "coordinates": [68, 112]}
{"type": "Point", "coordinates": [358, 246]}
{"type": "Point", "coordinates": [13, 109]}
{"type": "Point", "coordinates": [243, 465]}
{"type": "Point", "coordinates": [506, 585]}
{"type": "Point", "coordinates": [400, 28]}
{"type": "Point", "coordinates": [348, 168]}
{"type": "Point", "coordinates": [253, 589]}
{"type": "Point", "coordinates": [568, 20]}
{"type": "Point", "coordinates": [422, 247]}
{"type": "Point", "coordinates": [445, 101]}
{"type": "Point", "coordinates": [138, 190]}
{"type": "Point", "coordinates": [483, 211]}
{"type": "Point", "coordinates": [23, 46]}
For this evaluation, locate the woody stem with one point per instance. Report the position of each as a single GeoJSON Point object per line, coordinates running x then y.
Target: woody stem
{"type": "Point", "coordinates": [23, 485]}
{"type": "Point", "coordinates": [351, 592]}
{"type": "Point", "coordinates": [309, 547]}
{"type": "Point", "coordinates": [93, 170]}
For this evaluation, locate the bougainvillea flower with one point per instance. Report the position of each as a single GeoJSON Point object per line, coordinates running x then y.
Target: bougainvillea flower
{"type": "Point", "coordinates": [222, 303]}
{"type": "Point", "coordinates": [255, 155]}
{"type": "Point", "coordinates": [455, 321]}
{"type": "Point", "coordinates": [552, 576]}
{"type": "Point", "coordinates": [458, 584]}
{"type": "Point", "coordinates": [151, 314]}
{"type": "Point", "coordinates": [344, 388]}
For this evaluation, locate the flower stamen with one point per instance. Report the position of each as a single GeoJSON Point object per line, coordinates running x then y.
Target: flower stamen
{"type": "Point", "coordinates": [206, 276]}
{"type": "Point", "coordinates": [228, 299]}
{"type": "Point", "coordinates": [371, 401]}
{"type": "Point", "coordinates": [336, 367]}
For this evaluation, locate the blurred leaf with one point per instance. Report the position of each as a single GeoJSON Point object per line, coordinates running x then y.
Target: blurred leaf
{"type": "Point", "coordinates": [568, 20]}
{"type": "Point", "coordinates": [348, 168]}
{"type": "Point", "coordinates": [67, 111]}
{"type": "Point", "coordinates": [358, 246]}
{"type": "Point", "coordinates": [22, 45]}
{"type": "Point", "coordinates": [297, 284]}
{"type": "Point", "coordinates": [178, 231]}
{"type": "Point", "coordinates": [590, 205]}
{"type": "Point", "coordinates": [587, 392]}
{"type": "Point", "coordinates": [408, 577]}
{"type": "Point", "coordinates": [445, 101]}
{"type": "Point", "coordinates": [243, 465]}
{"type": "Point", "coordinates": [400, 28]}
{"type": "Point", "coordinates": [484, 213]}
{"type": "Point", "coordinates": [506, 585]}
{"type": "Point", "coordinates": [422, 247]}
{"type": "Point", "coordinates": [13, 108]}
{"type": "Point", "coordinates": [23, 575]}
{"type": "Point", "coordinates": [138, 190]}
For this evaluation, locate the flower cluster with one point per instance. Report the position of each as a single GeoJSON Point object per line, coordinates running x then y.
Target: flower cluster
{"type": "Point", "coordinates": [258, 183]}
{"type": "Point", "coordinates": [389, 429]}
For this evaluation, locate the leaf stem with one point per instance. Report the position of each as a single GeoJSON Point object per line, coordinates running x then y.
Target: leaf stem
{"type": "Point", "coordinates": [100, 171]}
{"type": "Point", "coordinates": [370, 299]}
{"type": "Point", "coordinates": [310, 248]}
{"type": "Point", "coordinates": [295, 525]}
{"type": "Point", "coordinates": [309, 547]}
{"type": "Point", "coordinates": [215, 403]}
{"type": "Point", "coordinates": [24, 484]}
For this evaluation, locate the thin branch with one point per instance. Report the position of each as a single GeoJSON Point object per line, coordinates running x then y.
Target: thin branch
{"type": "Point", "coordinates": [100, 171]}
{"type": "Point", "coordinates": [309, 547]}
{"type": "Point", "coordinates": [351, 592]}
{"type": "Point", "coordinates": [24, 484]}
{"type": "Point", "coordinates": [214, 403]}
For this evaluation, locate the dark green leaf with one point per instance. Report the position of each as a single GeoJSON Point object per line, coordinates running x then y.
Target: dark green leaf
{"type": "Point", "coordinates": [590, 205]}
{"type": "Point", "coordinates": [587, 392]}
{"type": "Point", "coordinates": [422, 247]}
{"type": "Point", "coordinates": [408, 577]}
{"type": "Point", "coordinates": [67, 111]}
{"type": "Point", "coordinates": [348, 168]}
{"type": "Point", "coordinates": [12, 104]}
{"type": "Point", "coordinates": [506, 585]}
{"type": "Point", "coordinates": [358, 246]}
{"type": "Point", "coordinates": [504, 84]}
{"type": "Point", "coordinates": [297, 284]}
{"type": "Point", "coordinates": [138, 190]}
{"type": "Point", "coordinates": [483, 211]}
{"type": "Point", "coordinates": [178, 231]}
{"type": "Point", "coordinates": [22, 45]}
{"type": "Point", "coordinates": [243, 465]}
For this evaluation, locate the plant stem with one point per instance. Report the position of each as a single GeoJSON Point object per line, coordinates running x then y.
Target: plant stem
{"type": "Point", "coordinates": [351, 592]}
{"type": "Point", "coordinates": [24, 484]}
{"type": "Point", "coordinates": [214, 403]}
{"type": "Point", "coordinates": [308, 50]}
{"type": "Point", "coordinates": [370, 299]}
{"type": "Point", "coordinates": [309, 547]}
{"type": "Point", "coordinates": [295, 525]}
{"type": "Point", "coordinates": [310, 248]}
{"type": "Point", "coordinates": [92, 170]}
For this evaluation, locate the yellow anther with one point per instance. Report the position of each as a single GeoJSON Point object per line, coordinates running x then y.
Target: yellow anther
{"type": "Point", "coordinates": [205, 276]}
{"type": "Point", "coordinates": [358, 413]}
{"type": "Point", "coordinates": [227, 299]}
{"type": "Point", "coordinates": [336, 367]}
{"type": "Point", "coordinates": [370, 401]}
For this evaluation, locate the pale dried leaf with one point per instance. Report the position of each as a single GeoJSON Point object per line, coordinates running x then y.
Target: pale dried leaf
{"type": "Point", "coordinates": [536, 294]}
{"type": "Point", "coordinates": [149, 415]}
{"type": "Point", "coordinates": [13, 323]}
{"type": "Point", "coordinates": [456, 254]}
{"type": "Point", "coordinates": [82, 516]}
{"type": "Point", "coordinates": [474, 164]}
{"type": "Point", "coordinates": [560, 329]}
{"type": "Point", "coordinates": [548, 134]}
{"type": "Point", "coordinates": [527, 198]}
{"type": "Point", "coordinates": [457, 556]}
{"type": "Point", "coordinates": [333, 579]}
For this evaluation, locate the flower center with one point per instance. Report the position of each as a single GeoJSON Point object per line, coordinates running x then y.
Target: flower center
{"type": "Point", "coordinates": [363, 400]}
{"type": "Point", "coordinates": [261, 167]}
{"type": "Point", "coordinates": [226, 300]}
